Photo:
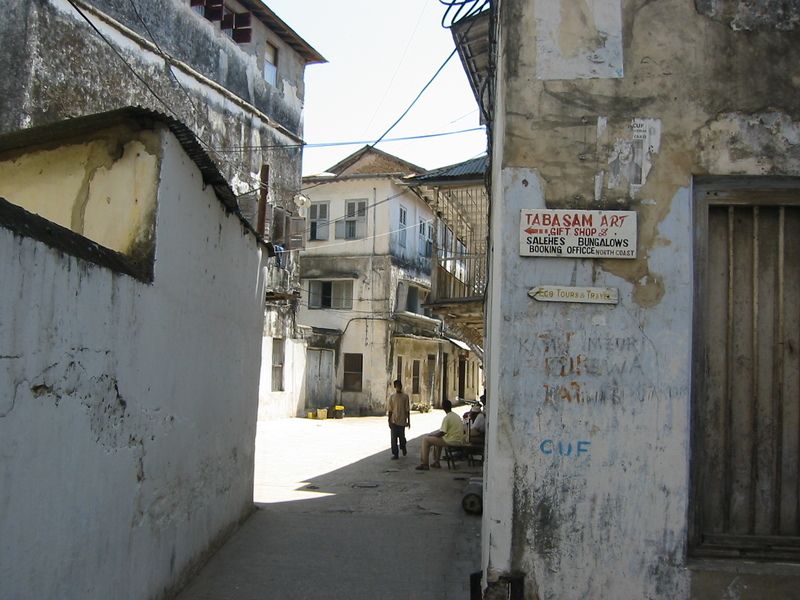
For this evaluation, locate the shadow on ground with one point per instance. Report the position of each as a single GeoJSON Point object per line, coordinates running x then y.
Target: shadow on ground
{"type": "Point", "coordinates": [373, 529]}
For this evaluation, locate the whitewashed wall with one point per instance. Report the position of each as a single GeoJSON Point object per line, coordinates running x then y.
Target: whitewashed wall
{"type": "Point", "coordinates": [127, 425]}
{"type": "Point", "coordinates": [588, 472]}
{"type": "Point", "coordinates": [291, 401]}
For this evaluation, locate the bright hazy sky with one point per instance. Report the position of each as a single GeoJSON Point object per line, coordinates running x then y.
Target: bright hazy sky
{"type": "Point", "coordinates": [380, 54]}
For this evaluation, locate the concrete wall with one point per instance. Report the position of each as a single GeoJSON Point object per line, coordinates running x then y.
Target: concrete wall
{"type": "Point", "coordinates": [102, 188]}
{"type": "Point", "coordinates": [68, 70]}
{"type": "Point", "coordinates": [291, 401]}
{"type": "Point", "coordinates": [588, 473]}
{"type": "Point", "coordinates": [127, 423]}
{"type": "Point", "coordinates": [60, 68]}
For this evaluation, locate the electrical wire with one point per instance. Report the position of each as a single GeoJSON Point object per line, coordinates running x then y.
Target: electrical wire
{"type": "Point", "coordinates": [354, 142]}
{"type": "Point", "coordinates": [414, 101]}
{"type": "Point", "coordinates": [397, 68]}
{"type": "Point", "coordinates": [374, 236]}
{"type": "Point", "coordinates": [149, 88]}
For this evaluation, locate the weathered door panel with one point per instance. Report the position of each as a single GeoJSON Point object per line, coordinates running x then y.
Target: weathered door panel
{"type": "Point", "coordinates": [747, 395]}
{"type": "Point", "coordinates": [320, 383]}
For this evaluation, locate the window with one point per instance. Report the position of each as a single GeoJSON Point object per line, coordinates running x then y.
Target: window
{"type": "Point", "coordinates": [318, 221]}
{"type": "Point", "coordinates": [415, 377]}
{"type": "Point", "coordinates": [412, 299]}
{"type": "Point", "coordinates": [403, 221]}
{"type": "Point", "coordinates": [330, 294]}
{"type": "Point", "coordinates": [399, 368]}
{"type": "Point", "coordinates": [429, 241]}
{"type": "Point", "coordinates": [353, 370]}
{"type": "Point", "coordinates": [227, 21]}
{"type": "Point", "coordinates": [745, 398]}
{"type": "Point", "coordinates": [236, 26]}
{"type": "Point", "coordinates": [278, 349]}
{"type": "Point", "coordinates": [422, 240]}
{"type": "Point", "coordinates": [354, 224]}
{"type": "Point", "coordinates": [271, 64]}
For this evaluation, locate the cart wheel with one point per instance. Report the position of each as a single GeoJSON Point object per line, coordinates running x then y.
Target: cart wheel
{"type": "Point", "coordinates": [472, 503]}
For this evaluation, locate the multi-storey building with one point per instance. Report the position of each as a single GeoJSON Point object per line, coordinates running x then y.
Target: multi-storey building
{"type": "Point", "coordinates": [231, 70]}
{"type": "Point", "coordinates": [366, 274]}
{"type": "Point", "coordinates": [642, 324]}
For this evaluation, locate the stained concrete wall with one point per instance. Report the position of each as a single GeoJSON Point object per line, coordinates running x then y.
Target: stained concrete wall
{"type": "Point", "coordinates": [127, 421]}
{"type": "Point", "coordinates": [601, 105]}
{"type": "Point", "coordinates": [104, 188]}
{"type": "Point", "coordinates": [217, 89]}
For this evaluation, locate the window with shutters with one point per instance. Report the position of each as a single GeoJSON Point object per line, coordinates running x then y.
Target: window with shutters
{"type": "Point", "coordinates": [354, 224]}
{"type": "Point", "coordinates": [297, 233]}
{"type": "Point", "coordinates": [279, 230]}
{"type": "Point", "coordinates": [403, 231]}
{"type": "Point", "coordinates": [318, 221]}
{"type": "Point", "coordinates": [421, 238]}
{"type": "Point", "coordinates": [353, 372]}
{"type": "Point", "coordinates": [236, 25]}
{"type": "Point", "coordinates": [746, 379]}
{"type": "Point", "coordinates": [415, 377]}
{"type": "Point", "coordinates": [271, 64]}
{"type": "Point", "coordinates": [330, 294]}
{"type": "Point", "coordinates": [278, 353]}
{"type": "Point", "coordinates": [399, 368]}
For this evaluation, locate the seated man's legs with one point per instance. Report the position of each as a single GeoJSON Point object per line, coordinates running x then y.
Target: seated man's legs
{"type": "Point", "coordinates": [428, 441]}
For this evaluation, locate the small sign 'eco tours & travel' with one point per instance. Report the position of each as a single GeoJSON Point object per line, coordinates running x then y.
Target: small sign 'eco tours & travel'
{"type": "Point", "coordinates": [578, 233]}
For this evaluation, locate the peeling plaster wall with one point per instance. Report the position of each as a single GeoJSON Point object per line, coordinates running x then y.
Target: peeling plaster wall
{"type": "Point", "coordinates": [61, 68]}
{"type": "Point", "coordinates": [104, 189]}
{"type": "Point", "coordinates": [588, 472]}
{"type": "Point", "coordinates": [127, 422]}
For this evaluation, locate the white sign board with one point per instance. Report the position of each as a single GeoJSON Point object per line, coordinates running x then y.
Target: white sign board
{"type": "Point", "coordinates": [578, 233]}
{"type": "Point", "coordinates": [588, 295]}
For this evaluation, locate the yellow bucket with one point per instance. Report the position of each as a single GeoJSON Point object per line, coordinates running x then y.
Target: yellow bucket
{"type": "Point", "coordinates": [310, 415]}
{"type": "Point", "coordinates": [322, 413]}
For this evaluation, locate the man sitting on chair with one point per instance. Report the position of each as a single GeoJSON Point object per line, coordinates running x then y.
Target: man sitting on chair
{"type": "Point", "coordinates": [451, 433]}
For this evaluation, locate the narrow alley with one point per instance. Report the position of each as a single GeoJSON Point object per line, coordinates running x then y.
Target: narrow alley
{"type": "Point", "coordinates": [337, 518]}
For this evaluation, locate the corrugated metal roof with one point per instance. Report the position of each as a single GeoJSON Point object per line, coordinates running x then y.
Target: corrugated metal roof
{"type": "Point", "coordinates": [474, 168]}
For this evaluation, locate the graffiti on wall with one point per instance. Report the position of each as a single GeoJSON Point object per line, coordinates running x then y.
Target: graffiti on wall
{"type": "Point", "coordinates": [559, 448]}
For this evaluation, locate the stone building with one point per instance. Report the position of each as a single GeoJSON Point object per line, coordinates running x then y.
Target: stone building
{"type": "Point", "coordinates": [130, 317]}
{"type": "Point", "coordinates": [642, 358]}
{"type": "Point", "coordinates": [231, 70]}
{"type": "Point", "coordinates": [366, 274]}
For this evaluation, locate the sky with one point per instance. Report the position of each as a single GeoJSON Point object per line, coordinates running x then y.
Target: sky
{"type": "Point", "coordinates": [380, 55]}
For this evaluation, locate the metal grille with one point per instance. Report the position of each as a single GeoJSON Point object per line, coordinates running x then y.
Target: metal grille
{"type": "Point", "coordinates": [746, 431]}
{"type": "Point", "coordinates": [462, 244]}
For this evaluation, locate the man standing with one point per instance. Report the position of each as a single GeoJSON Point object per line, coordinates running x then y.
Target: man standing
{"type": "Point", "coordinates": [451, 433]}
{"type": "Point", "coordinates": [399, 418]}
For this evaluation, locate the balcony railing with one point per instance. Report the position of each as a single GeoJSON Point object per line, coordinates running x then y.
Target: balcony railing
{"type": "Point", "coordinates": [459, 278]}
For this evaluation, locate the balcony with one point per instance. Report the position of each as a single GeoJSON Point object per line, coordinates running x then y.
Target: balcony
{"type": "Point", "coordinates": [459, 199]}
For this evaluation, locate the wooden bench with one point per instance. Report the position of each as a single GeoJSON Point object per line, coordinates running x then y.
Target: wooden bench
{"type": "Point", "coordinates": [473, 453]}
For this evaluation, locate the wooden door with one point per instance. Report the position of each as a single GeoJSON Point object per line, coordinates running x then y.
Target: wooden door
{"type": "Point", "coordinates": [746, 396]}
{"type": "Point", "coordinates": [320, 386]}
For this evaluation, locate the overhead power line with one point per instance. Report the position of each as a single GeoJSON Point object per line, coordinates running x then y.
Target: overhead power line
{"type": "Point", "coordinates": [350, 143]}
{"type": "Point", "coordinates": [414, 101]}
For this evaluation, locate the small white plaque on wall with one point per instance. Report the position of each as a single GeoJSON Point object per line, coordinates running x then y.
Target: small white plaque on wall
{"type": "Point", "coordinates": [586, 295]}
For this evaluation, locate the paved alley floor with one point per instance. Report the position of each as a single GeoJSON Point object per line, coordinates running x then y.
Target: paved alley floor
{"type": "Point", "coordinates": [337, 519]}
